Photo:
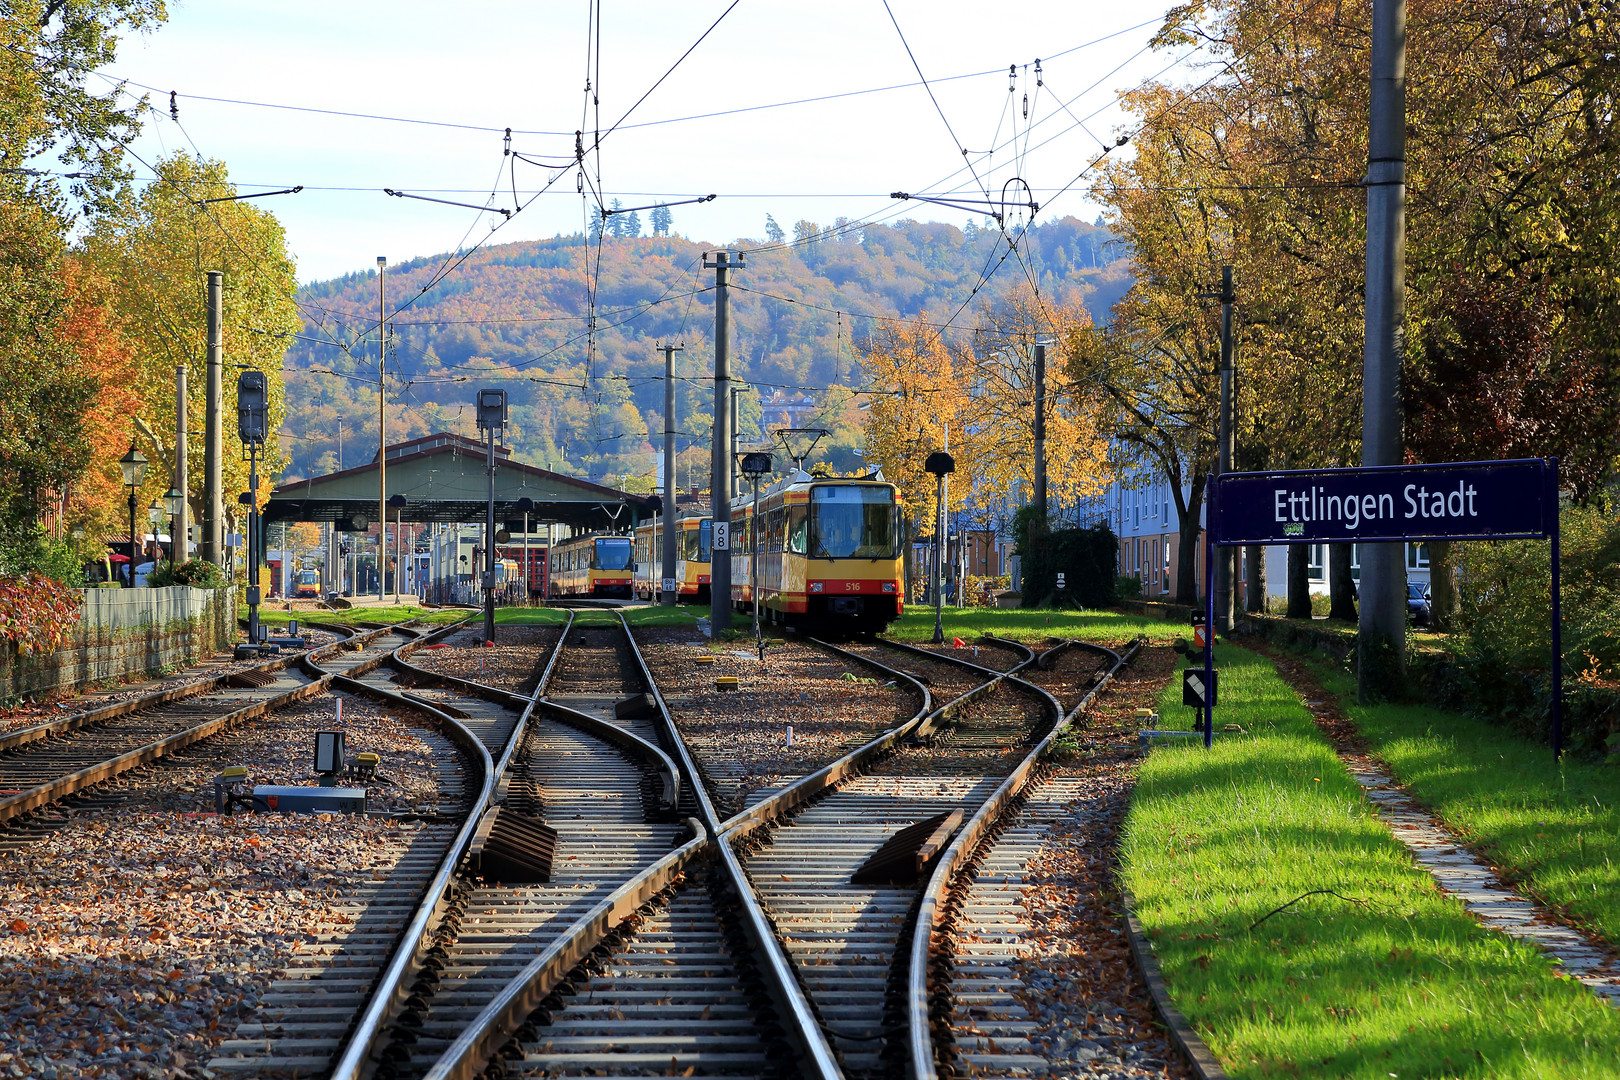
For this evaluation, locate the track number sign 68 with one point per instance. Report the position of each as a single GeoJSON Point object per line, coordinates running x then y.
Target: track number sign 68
{"type": "Point", "coordinates": [722, 536]}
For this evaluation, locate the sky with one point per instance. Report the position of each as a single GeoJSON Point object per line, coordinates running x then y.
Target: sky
{"type": "Point", "coordinates": [429, 89]}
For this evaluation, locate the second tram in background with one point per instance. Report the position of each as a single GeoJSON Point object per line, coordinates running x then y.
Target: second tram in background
{"type": "Point", "coordinates": [692, 543]}
{"type": "Point", "coordinates": [596, 565]}
{"type": "Point", "coordinates": [829, 553]}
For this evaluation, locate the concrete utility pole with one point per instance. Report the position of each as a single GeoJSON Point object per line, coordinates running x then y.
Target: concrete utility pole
{"type": "Point", "coordinates": [382, 425]}
{"type": "Point", "coordinates": [1382, 619]}
{"type": "Point", "coordinates": [1225, 579]}
{"type": "Point", "coordinates": [213, 547]}
{"type": "Point", "coordinates": [1037, 527]}
{"type": "Point", "coordinates": [733, 433]}
{"type": "Point", "coordinates": [182, 520]}
{"type": "Point", "coordinates": [722, 263]}
{"type": "Point", "coordinates": [667, 587]}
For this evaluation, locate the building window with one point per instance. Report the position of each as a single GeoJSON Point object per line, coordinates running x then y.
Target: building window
{"type": "Point", "coordinates": [1316, 562]}
{"type": "Point", "coordinates": [1417, 556]}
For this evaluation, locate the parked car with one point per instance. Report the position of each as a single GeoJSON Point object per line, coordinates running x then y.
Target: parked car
{"type": "Point", "coordinates": [1417, 602]}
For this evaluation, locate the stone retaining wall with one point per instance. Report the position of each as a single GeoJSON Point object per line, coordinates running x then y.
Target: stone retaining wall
{"type": "Point", "coordinates": [125, 634]}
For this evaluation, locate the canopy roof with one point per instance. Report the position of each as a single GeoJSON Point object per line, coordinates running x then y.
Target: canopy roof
{"type": "Point", "coordinates": [444, 478]}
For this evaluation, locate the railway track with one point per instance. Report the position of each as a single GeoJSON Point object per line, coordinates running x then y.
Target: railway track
{"type": "Point", "coordinates": [45, 764]}
{"type": "Point", "coordinates": [963, 1009]}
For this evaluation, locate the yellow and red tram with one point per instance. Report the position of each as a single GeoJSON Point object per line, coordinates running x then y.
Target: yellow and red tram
{"type": "Point", "coordinates": [830, 553]}
{"type": "Point", "coordinates": [598, 565]}
{"type": "Point", "coordinates": [691, 559]}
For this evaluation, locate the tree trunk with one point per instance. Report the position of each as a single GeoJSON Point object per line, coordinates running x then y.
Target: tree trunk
{"type": "Point", "coordinates": [1187, 584]}
{"type": "Point", "coordinates": [1299, 581]}
{"type": "Point", "coordinates": [1255, 594]}
{"type": "Point", "coordinates": [1341, 586]}
{"type": "Point", "coordinates": [1445, 602]}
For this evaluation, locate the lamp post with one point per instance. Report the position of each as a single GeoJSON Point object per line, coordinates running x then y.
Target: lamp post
{"type": "Point", "coordinates": [154, 517]}
{"type": "Point", "coordinates": [755, 466]}
{"type": "Point", "coordinates": [174, 500]}
{"type": "Point", "coordinates": [133, 466]}
{"type": "Point", "coordinates": [941, 464]}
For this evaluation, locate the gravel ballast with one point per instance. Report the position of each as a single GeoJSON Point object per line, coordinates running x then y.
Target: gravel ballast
{"type": "Point", "coordinates": [136, 937]}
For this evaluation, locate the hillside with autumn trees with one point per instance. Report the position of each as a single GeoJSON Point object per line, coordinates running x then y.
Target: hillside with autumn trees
{"type": "Point", "coordinates": [569, 327]}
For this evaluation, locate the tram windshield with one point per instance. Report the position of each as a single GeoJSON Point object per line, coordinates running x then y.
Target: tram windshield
{"type": "Point", "coordinates": [613, 553]}
{"type": "Point", "coordinates": [852, 521]}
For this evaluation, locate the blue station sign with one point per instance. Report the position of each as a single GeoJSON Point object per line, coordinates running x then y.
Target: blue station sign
{"type": "Point", "coordinates": [1484, 500]}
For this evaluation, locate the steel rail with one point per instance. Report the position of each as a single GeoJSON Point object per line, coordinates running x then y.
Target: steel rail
{"type": "Point", "coordinates": [483, 1037]}
{"type": "Point", "coordinates": [15, 805]}
{"type": "Point", "coordinates": [931, 910]}
{"type": "Point", "coordinates": [481, 1040]}
{"type": "Point", "coordinates": [366, 1038]}
{"type": "Point", "coordinates": [471, 1051]}
{"type": "Point", "coordinates": [818, 1061]}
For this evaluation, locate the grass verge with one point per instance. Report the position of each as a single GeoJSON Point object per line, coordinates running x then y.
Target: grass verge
{"type": "Point", "coordinates": [655, 616]}
{"type": "Point", "coordinates": [530, 616]}
{"type": "Point", "coordinates": [1402, 983]}
{"type": "Point", "coordinates": [1553, 828]}
{"type": "Point", "coordinates": [355, 616]}
{"type": "Point", "coordinates": [1104, 627]}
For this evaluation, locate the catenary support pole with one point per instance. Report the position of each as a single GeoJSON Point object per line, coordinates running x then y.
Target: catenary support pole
{"type": "Point", "coordinates": [182, 520]}
{"type": "Point", "coordinates": [1381, 641]}
{"type": "Point", "coordinates": [667, 586]}
{"type": "Point", "coordinates": [722, 263]}
{"type": "Point", "coordinates": [489, 542]}
{"type": "Point", "coordinates": [1225, 579]}
{"type": "Point", "coordinates": [382, 424]}
{"type": "Point", "coordinates": [213, 530]}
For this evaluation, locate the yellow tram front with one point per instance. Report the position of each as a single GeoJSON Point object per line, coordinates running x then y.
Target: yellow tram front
{"type": "Point", "coordinates": [829, 554]}
{"type": "Point", "coordinates": [596, 565]}
{"type": "Point", "coordinates": [691, 560]}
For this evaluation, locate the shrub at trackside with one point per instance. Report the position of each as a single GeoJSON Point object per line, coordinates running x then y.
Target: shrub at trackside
{"type": "Point", "coordinates": [1384, 975]}
{"type": "Point", "coordinates": [1498, 668]}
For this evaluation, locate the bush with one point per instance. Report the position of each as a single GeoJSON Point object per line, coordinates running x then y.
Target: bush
{"type": "Point", "coordinates": [1501, 664]}
{"type": "Point", "coordinates": [32, 550]}
{"type": "Point", "coordinates": [981, 590]}
{"type": "Point", "coordinates": [1086, 557]}
{"type": "Point", "coordinates": [1128, 587]}
{"type": "Point", "coordinates": [198, 573]}
{"type": "Point", "coordinates": [37, 613]}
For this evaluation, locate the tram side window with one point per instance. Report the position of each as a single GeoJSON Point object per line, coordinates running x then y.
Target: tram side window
{"type": "Point", "coordinates": [797, 529]}
{"type": "Point", "coordinates": [774, 530]}
{"type": "Point", "coordinates": [689, 544]}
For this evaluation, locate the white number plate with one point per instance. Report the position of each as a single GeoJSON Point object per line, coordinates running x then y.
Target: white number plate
{"type": "Point", "coordinates": [722, 536]}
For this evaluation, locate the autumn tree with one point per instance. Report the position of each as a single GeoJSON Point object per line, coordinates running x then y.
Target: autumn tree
{"type": "Point", "coordinates": [158, 248]}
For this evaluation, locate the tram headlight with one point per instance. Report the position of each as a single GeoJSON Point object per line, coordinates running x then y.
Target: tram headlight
{"type": "Point", "coordinates": [888, 586]}
{"type": "Point", "coordinates": [816, 586]}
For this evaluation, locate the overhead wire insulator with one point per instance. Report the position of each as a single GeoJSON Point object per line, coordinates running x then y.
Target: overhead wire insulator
{"type": "Point", "coordinates": [1012, 77]}
{"type": "Point", "coordinates": [1026, 106]}
{"type": "Point", "coordinates": [174, 107]}
{"type": "Point", "coordinates": [1038, 81]}
{"type": "Point", "coordinates": [506, 147]}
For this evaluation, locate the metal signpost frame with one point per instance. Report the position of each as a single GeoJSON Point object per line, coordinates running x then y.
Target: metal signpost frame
{"type": "Point", "coordinates": [253, 427]}
{"type": "Point", "coordinates": [1465, 500]}
{"type": "Point", "coordinates": [941, 464]}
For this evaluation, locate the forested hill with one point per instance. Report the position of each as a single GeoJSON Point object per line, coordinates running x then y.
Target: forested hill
{"type": "Point", "coordinates": [517, 315]}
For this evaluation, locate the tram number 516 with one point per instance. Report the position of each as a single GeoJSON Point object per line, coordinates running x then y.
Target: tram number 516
{"type": "Point", "coordinates": [722, 536]}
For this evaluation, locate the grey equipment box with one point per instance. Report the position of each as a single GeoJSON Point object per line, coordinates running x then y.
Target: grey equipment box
{"type": "Point", "coordinates": [286, 799]}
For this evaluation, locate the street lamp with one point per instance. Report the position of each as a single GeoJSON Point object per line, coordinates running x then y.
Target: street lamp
{"type": "Point", "coordinates": [492, 418]}
{"type": "Point", "coordinates": [174, 500]}
{"type": "Point", "coordinates": [941, 464]}
{"type": "Point", "coordinates": [133, 465]}
{"type": "Point", "coordinates": [154, 517]}
{"type": "Point", "coordinates": [755, 466]}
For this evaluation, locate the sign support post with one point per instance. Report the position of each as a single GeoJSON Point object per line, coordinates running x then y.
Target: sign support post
{"type": "Point", "coordinates": [1209, 616]}
{"type": "Point", "coordinates": [1557, 615]}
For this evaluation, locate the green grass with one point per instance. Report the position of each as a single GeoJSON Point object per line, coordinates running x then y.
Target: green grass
{"type": "Point", "coordinates": [355, 616]}
{"type": "Point", "coordinates": [1105, 627]}
{"type": "Point", "coordinates": [1406, 984]}
{"type": "Point", "coordinates": [1553, 827]}
{"type": "Point", "coordinates": [655, 617]}
{"type": "Point", "coordinates": [530, 616]}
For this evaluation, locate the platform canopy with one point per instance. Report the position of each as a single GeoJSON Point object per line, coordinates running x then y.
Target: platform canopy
{"type": "Point", "coordinates": [443, 478]}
